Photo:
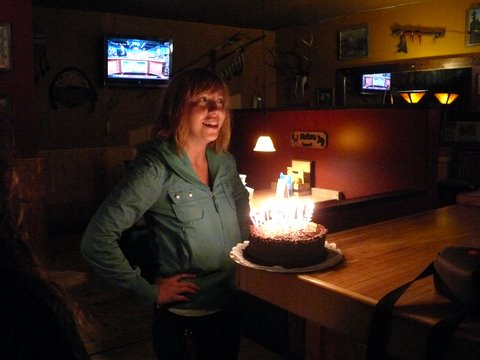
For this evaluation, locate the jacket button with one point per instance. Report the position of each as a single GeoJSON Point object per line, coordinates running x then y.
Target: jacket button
{"type": "Point", "coordinates": [190, 195]}
{"type": "Point", "coordinates": [176, 196]}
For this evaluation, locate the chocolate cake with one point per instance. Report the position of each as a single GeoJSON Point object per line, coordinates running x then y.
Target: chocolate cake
{"type": "Point", "coordinates": [300, 248]}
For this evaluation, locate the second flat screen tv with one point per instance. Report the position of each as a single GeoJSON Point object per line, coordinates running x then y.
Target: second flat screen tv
{"type": "Point", "coordinates": [376, 82]}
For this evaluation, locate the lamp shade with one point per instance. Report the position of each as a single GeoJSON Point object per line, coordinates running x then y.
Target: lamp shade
{"type": "Point", "coordinates": [264, 144]}
{"type": "Point", "coordinates": [446, 98]}
{"type": "Point", "coordinates": [412, 96]}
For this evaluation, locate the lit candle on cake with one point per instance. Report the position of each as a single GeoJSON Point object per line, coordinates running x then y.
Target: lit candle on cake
{"type": "Point", "coordinates": [278, 217]}
{"type": "Point", "coordinates": [283, 234]}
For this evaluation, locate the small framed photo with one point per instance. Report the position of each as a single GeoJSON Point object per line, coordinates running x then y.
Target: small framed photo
{"type": "Point", "coordinates": [5, 47]}
{"type": "Point", "coordinates": [467, 131]}
{"type": "Point", "coordinates": [478, 84]}
{"type": "Point", "coordinates": [4, 108]}
{"type": "Point", "coordinates": [353, 42]}
{"type": "Point", "coordinates": [324, 97]}
{"type": "Point", "coordinates": [473, 26]}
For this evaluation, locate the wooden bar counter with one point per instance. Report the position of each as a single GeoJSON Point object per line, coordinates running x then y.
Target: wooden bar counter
{"type": "Point", "coordinates": [378, 258]}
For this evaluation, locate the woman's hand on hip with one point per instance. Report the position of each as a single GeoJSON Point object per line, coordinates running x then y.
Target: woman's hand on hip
{"type": "Point", "coordinates": [175, 288]}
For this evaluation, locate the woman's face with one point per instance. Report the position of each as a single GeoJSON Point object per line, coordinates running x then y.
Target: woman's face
{"type": "Point", "coordinates": [206, 116]}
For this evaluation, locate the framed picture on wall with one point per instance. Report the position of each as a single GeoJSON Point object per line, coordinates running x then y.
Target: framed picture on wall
{"type": "Point", "coordinates": [5, 48]}
{"type": "Point", "coordinates": [478, 84]}
{"type": "Point", "coordinates": [353, 42]}
{"type": "Point", "coordinates": [4, 109]}
{"type": "Point", "coordinates": [324, 97]}
{"type": "Point", "coordinates": [473, 26]}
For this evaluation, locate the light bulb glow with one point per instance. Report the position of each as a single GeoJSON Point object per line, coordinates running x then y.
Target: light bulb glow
{"type": "Point", "coordinates": [264, 144]}
{"type": "Point", "coordinates": [283, 217]}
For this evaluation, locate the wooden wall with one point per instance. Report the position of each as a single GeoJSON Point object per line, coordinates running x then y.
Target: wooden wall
{"type": "Point", "coordinates": [77, 180]}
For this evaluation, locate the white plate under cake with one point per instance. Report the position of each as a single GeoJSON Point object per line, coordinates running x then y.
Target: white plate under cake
{"type": "Point", "coordinates": [334, 257]}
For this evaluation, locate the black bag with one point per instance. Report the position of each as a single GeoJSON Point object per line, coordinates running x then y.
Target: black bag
{"type": "Point", "coordinates": [456, 274]}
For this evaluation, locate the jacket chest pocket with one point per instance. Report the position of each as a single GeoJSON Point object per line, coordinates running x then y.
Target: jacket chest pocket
{"type": "Point", "coordinates": [185, 205]}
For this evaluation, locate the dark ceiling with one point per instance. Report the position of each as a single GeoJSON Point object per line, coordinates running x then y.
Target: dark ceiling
{"type": "Point", "coordinates": [267, 14]}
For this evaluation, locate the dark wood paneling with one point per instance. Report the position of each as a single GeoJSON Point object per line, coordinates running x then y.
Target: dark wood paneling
{"type": "Point", "coordinates": [77, 181]}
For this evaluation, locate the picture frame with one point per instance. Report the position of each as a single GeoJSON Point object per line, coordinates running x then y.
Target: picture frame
{"type": "Point", "coordinates": [5, 47]}
{"type": "Point", "coordinates": [353, 42]}
{"type": "Point", "coordinates": [324, 97]}
{"type": "Point", "coordinates": [4, 109]}
{"type": "Point", "coordinates": [478, 84]}
{"type": "Point", "coordinates": [467, 131]}
{"type": "Point", "coordinates": [473, 26]}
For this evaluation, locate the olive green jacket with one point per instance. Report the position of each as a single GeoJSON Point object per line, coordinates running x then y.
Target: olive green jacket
{"type": "Point", "coordinates": [192, 227]}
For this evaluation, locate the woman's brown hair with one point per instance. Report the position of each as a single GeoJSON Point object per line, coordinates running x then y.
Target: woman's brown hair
{"type": "Point", "coordinates": [171, 123]}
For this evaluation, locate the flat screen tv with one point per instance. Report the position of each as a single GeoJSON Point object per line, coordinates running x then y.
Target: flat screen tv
{"type": "Point", "coordinates": [377, 82]}
{"type": "Point", "coordinates": [136, 61]}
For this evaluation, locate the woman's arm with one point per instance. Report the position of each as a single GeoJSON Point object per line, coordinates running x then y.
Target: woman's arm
{"type": "Point", "coordinates": [134, 195]}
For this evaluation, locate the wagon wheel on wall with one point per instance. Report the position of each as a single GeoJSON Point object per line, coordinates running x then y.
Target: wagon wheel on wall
{"type": "Point", "coordinates": [71, 88]}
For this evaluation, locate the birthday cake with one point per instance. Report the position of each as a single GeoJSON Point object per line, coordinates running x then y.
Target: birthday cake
{"type": "Point", "coordinates": [289, 240]}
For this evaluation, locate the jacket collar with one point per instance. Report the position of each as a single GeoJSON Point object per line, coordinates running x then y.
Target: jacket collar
{"type": "Point", "coordinates": [180, 163]}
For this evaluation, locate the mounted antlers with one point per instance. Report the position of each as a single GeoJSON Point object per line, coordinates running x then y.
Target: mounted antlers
{"type": "Point", "coordinates": [293, 65]}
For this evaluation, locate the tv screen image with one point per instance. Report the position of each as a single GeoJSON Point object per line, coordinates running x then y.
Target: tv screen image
{"type": "Point", "coordinates": [137, 61]}
{"type": "Point", "coordinates": [376, 82]}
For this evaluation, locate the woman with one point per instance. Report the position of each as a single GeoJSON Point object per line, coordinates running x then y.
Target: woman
{"type": "Point", "coordinates": [186, 187]}
{"type": "Point", "coordinates": [37, 319]}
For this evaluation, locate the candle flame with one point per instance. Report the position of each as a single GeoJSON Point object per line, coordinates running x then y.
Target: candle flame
{"type": "Point", "coordinates": [283, 217]}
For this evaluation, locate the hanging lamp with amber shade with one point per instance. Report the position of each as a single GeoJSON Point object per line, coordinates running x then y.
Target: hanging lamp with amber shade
{"type": "Point", "coordinates": [446, 98]}
{"type": "Point", "coordinates": [412, 96]}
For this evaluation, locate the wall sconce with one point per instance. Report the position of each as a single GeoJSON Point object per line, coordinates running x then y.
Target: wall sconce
{"type": "Point", "coordinates": [446, 98]}
{"type": "Point", "coordinates": [412, 96]}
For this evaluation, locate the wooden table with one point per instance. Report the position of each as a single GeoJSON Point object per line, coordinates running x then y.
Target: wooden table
{"type": "Point", "coordinates": [378, 258]}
